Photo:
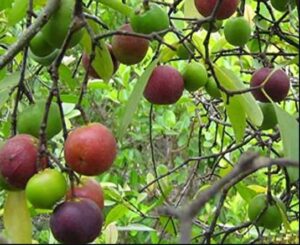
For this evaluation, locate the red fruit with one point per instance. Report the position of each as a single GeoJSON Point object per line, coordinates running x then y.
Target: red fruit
{"type": "Point", "coordinates": [129, 50]}
{"type": "Point", "coordinates": [92, 71]}
{"type": "Point", "coordinates": [18, 159]}
{"type": "Point", "coordinates": [277, 86]}
{"type": "Point", "coordinates": [88, 188]}
{"type": "Point", "coordinates": [76, 222]}
{"type": "Point", "coordinates": [90, 149]}
{"type": "Point", "coordinates": [165, 86]}
{"type": "Point", "coordinates": [226, 9]}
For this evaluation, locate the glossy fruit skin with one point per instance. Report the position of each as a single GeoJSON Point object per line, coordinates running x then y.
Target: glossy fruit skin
{"type": "Point", "coordinates": [30, 120]}
{"type": "Point", "coordinates": [270, 118]}
{"type": "Point", "coordinates": [92, 71]}
{"type": "Point", "coordinates": [76, 222]}
{"type": "Point", "coordinates": [194, 76]}
{"type": "Point", "coordinates": [129, 50]}
{"type": "Point", "coordinates": [216, 26]}
{"type": "Point", "coordinates": [57, 27]}
{"type": "Point", "coordinates": [165, 86]}
{"type": "Point", "coordinates": [227, 8]}
{"type": "Point", "coordinates": [90, 149]}
{"type": "Point", "coordinates": [39, 45]}
{"type": "Point", "coordinates": [46, 60]}
{"type": "Point", "coordinates": [271, 218]}
{"type": "Point", "coordinates": [183, 52]}
{"type": "Point", "coordinates": [88, 188]}
{"type": "Point", "coordinates": [212, 89]}
{"type": "Point", "coordinates": [277, 86]}
{"type": "Point", "coordinates": [18, 158]}
{"type": "Point", "coordinates": [237, 31]}
{"type": "Point", "coordinates": [280, 5]}
{"type": "Point", "coordinates": [46, 188]}
{"type": "Point", "coordinates": [152, 20]}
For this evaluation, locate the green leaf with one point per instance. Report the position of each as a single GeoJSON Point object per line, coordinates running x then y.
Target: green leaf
{"type": "Point", "coordinates": [4, 96]}
{"type": "Point", "coordinates": [135, 227]}
{"type": "Point", "coordinates": [5, 4]}
{"type": "Point", "coordinates": [17, 12]}
{"type": "Point", "coordinates": [237, 117]}
{"type": "Point", "coordinates": [16, 218]}
{"type": "Point", "coordinates": [289, 131]}
{"type": "Point", "coordinates": [116, 213]}
{"type": "Point", "coordinates": [190, 10]}
{"type": "Point", "coordinates": [118, 6]}
{"type": "Point", "coordinates": [283, 216]}
{"type": "Point", "coordinates": [230, 81]}
{"type": "Point", "coordinates": [9, 81]}
{"type": "Point", "coordinates": [245, 192]}
{"type": "Point", "coordinates": [111, 234]}
{"type": "Point", "coordinates": [135, 98]}
{"type": "Point", "coordinates": [65, 76]}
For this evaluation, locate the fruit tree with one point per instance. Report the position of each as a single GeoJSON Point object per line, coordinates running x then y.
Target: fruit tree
{"type": "Point", "coordinates": [149, 121]}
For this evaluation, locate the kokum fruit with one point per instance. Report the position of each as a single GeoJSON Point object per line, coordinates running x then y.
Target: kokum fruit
{"type": "Point", "coordinates": [226, 9]}
{"type": "Point", "coordinates": [276, 84]}
{"type": "Point", "coordinates": [154, 19]}
{"type": "Point", "coordinates": [237, 31]}
{"type": "Point", "coordinates": [270, 118]}
{"type": "Point", "coordinates": [212, 89]}
{"type": "Point", "coordinates": [31, 118]}
{"type": "Point", "coordinates": [90, 149]}
{"type": "Point", "coordinates": [271, 218]}
{"type": "Point", "coordinates": [185, 51]}
{"type": "Point", "coordinates": [92, 72]}
{"type": "Point", "coordinates": [46, 188]}
{"type": "Point", "coordinates": [88, 188]}
{"type": "Point", "coordinates": [77, 221]}
{"type": "Point", "coordinates": [165, 86]}
{"type": "Point", "coordinates": [194, 76]}
{"type": "Point", "coordinates": [129, 50]}
{"type": "Point", "coordinates": [56, 29]}
{"type": "Point", "coordinates": [18, 160]}
{"type": "Point", "coordinates": [39, 45]}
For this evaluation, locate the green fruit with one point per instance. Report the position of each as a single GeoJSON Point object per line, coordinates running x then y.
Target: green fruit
{"type": "Point", "coordinates": [280, 5]}
{"type": "Point", "coordinates": [212, 89]}
{"type": "Point", "coordinates": [183, 52]}
{"type": "Point", "coordinates": [57, 27]}
{"type": "Point", "coordinates": [270, 118]}
{"type": "Point", "coordinates": [30, 120]}
{"type": "Point", "coordinates": [152, 20]}
{"type": "Point", "coordinates": [237, 31]}
{"type": "Point", "coordinates": [271, 218]}
{"type": "Point", "coordinates": [216, 25]}
{"type": "Point", "coordinates": [39, 46]}
{"type": "Point", "coordinates": [46, 188]}
{"type": "Point", "coordinates": [194, 76]}
{"type": "Point", "coordinates": [46, 60]}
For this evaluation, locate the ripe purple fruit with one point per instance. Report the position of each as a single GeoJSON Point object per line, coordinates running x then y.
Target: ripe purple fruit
{"type": "Point", "coordinates": [276, 86]}
{"type": "Point", "coordinates": [78, 221]}
{"type": "Point", "coordinates": [165, 86]}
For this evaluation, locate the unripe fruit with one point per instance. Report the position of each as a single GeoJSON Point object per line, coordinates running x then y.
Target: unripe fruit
{"type": "Point", "coordinates": [276, 86]}
{"type": "Point", "coordinates": [280, 5]}
{"type": "Point", "coordinates": [237, 31]}
{"type": "Point", "coordinates": [18, 160]}
{"type": "Point", "coordinates": [39, 45]}
{"type": "Point", "coordinates": [90, 149]}
{"type": "Point", "coordinates": [46, 60]}
{"type": "Point", "coordinates": [271, 218]}
{"type": "Point", "coordinates": [194, 76]}
{"type": "Point", "coordinates": [185, 52]}
{"type": "Point", "coordinates": [212, 89]}
{"type": "Point", "coordinates": [226, 9]}
{"type": "Point", "coordinates": [165, 86]}
{"type": "Point", "coordinates": [56, 29]}
{"type": "Point", "coordinates": [151, 20]}
{"type": "Point", "coordinates": [46, 188]}
{"type": "Point", "coordinates": [92, 71]}
{"type": "Point", "coordinates": [129, 50]}
{"type": "Point", "coordinates": [216, 25]}
{"type": "Point", "coordinates": [88, 188]}
{"type": "Point", "coordinates": [31, 118]}
{"type": "Point", "coordinates": [270, 118]}
{"type": "Point", "coordinates": [76, 222]}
